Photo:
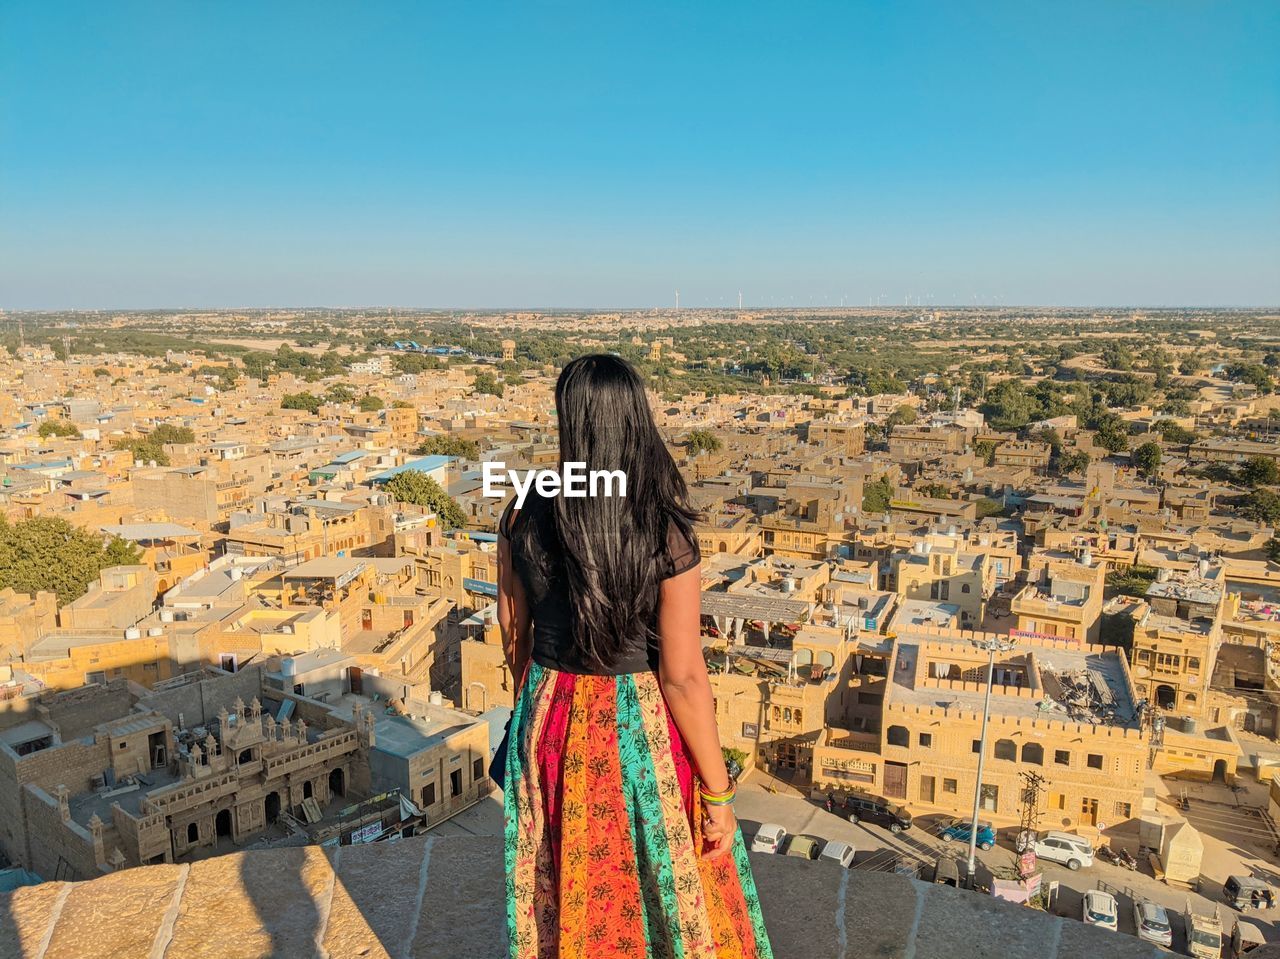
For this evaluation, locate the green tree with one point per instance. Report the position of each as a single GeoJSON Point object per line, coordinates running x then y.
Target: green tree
{"type": "Point", "coordinates": [101, 371]}
{"type": "Point", "coordinates": [48, 553]}
{"type": "Point", "coordinates": [1009, 407]}
{"type": "Point", "coordinates": [1272, 546]}
{"type": "Point", "coordinates": [1131, 580]}
{"type": "Point", "coordinates": [903, 416]}
{"type": "Point", "coordinates": [416, 487]}
{"type": "Point", "coordinates": [371, 403]}
{"type": "Point", "coordinates": [1117, 356]}
{"type": "Point", "coordinates": [1259, 471]}
{"type": "Point", "coordinates": [449, 446]}
{"type": "Point", "coordinates": [990, 507]}
{"type": "Point", "coordinates": [340, 393]}
{"type": "Point", "coordinates": [1073, 463]}
{"type": "Point", "coordinates": [876, 495]}
{"type": "Point", "coordinates": [144, 449]}
{"type": "Point", "coordinates": [985, 450]}
{"type": "Point", "coordinates": [1262, 506]}
{"type": "Point", "coordinates": [936, 490]}
{"type": "Point", "coordinates": [1174, 432]}
{"type": "Point", "coordinates": [401, 405]}
{"type": "Point", "coordinates": [1146, 459]}
{"type": "Point", "coordinates": [701, 441]}
{"type": "Point", "coordinates": [486, 382]}
{"type": "Point", "coordinates": [58, 427]}
{"type": "Point", "coordinates": [301, 401]}
{"type": "Point", "coordinates": [167, 433]}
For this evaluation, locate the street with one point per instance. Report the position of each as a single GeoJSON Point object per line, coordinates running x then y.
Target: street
{"type": "Point", "coordinates": [876, 848]}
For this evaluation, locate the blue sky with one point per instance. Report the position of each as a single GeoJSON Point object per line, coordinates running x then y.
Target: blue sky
{"type": "Point", "coordinates": [597, 154]}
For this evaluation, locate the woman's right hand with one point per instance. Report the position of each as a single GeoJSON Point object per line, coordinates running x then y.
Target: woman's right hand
{"type": "Point", "coordinates": [719, 827]}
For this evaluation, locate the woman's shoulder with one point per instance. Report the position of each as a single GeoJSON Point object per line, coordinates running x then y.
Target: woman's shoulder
{"type": "Point", "coordinates": [682, 548]}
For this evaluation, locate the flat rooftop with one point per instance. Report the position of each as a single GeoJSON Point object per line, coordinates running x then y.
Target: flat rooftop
{"type": "Point", "coordinates": [1074, 685]}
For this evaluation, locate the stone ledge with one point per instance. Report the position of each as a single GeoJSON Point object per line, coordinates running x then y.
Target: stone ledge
{"type": "Point", "coordinates": [431, 898]}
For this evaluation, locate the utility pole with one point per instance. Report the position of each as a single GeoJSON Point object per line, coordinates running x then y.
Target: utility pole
{"type": "Point", "coordinates": [992, 647]}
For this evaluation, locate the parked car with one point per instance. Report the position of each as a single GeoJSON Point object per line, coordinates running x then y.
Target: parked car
{"type": "Point", "coordinates": [947, 871]}
{"type": "Point", "coordinates": [838, 852]}
{"type": "Point", "coordinates": [1100, 910]}
{"type": "Point", "coordinates": [1151, 920]}
{"type": "Point", "coordinates": [802, 847]}
{"type": "Point", "coordinates": [769, 838]}
{"type": "Point", "coordinates": [951, 830]}
{"type": "Point", "coordinates": [1074, 852]}
{"type": "Point", "coordinates": [1245, 937]}
{"type": "Point", "coordinates": [863, 807]}
{"type": "Point", "coordinates": [1246, 892]}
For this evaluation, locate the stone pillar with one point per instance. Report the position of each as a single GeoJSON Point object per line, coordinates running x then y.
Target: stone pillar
{"type": "Point", "coordinates": [302, 732]}
{"type": "Point", "coordinates": [64, 802]}
{"type": "Point", "coordinates": [95, 832]}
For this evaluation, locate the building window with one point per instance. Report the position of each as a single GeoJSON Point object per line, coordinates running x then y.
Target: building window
{"type": "Point", "coordinates": [926, 740]}
{"type": "Point", "coordinates": [477, 770]}
{"type": "Point", "coordinates": [1123, 810]}
{"type": "Point", "coordinates": [786, 715]}
{"type": "Point", "coordinates": [1007, 749]}
{"type": "Point", "coordinates": [428, 795]}
{"type": "Point", "coordinates": [964, 587]}
{"type": "Point", "coordinates": [950, 786]}
{"type": "Point", "coordinates": [977, 745]}
{"type": "Point", "coordinates": [1095, 761]}
{"type": "Point", "coordinates": [898, 736]}
{"type": "Point", "coordinates": [795, 715]}
{"type": "Point", "coordinates": [1193, 663]}
{"type": "Point", "coordinates": [455, 783]}
{"type": "Point", "coordinates": [1033, 753]}
{"type": "Point", "coordinates": [1062, 757]}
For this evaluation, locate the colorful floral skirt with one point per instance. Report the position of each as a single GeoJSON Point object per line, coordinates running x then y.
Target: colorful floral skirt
{"type": "Point", "coordinates": [602, 840]}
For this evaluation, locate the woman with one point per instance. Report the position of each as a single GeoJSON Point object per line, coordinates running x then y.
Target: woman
{"type": "Point", "coordinates": [620, 835]}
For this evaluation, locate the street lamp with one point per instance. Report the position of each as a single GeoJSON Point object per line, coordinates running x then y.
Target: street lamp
{"type": "Point", "coordinates": [992, 647]}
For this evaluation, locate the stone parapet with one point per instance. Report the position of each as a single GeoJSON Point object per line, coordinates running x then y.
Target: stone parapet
{"type": "Point", "coordinates": [429, 898]}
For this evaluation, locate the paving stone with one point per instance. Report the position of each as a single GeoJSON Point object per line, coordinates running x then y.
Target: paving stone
{"type": "Point", "coordinates": [812, 918]}
{"type": "Point", "coordinates": [958, 922]}
{"type": "Point", "coordinates": [253, 905]}
{"type": "Point", "coordinates": [365, 922]}
{"type": "Point", "coordinates": [25, 916]}
{"type": "Point", "coordinates": [464, 908]}
{"type": "Point", "coordinates": [1077, 939]}
{"type": "Point", "coordinates": [117, 915]}
{"type": "Point", "coordinates": [277, 903]}
{"type": "Point", "coordinates": [879, 912]}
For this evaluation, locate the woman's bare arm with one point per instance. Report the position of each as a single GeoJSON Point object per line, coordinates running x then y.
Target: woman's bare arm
{"type": "Point", "coordinates": [683, 674]}
{"type": "Point", "coordinates": [513, 613]}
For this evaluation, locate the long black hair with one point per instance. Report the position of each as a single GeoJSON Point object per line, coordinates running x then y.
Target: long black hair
{"type": "Point", "coordinates": [612, 550]}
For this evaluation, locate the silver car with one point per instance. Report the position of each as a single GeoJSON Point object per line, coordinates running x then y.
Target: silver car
{"type": "Point", "coordinates": [1152, 922]}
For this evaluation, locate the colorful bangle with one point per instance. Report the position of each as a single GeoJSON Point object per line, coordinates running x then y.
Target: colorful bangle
{"type": "Point", "coordinates": [719, 798]}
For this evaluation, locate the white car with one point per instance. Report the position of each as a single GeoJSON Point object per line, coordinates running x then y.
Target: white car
{"type": "Point", "coordinates": [1100, 910]}
{"type": "Point", "coordinates": [1073, 852]}
{"type": "Point", "coordinates": [770, 837]}
{"type": "Point", "coordinates": [841, 853]}
{"type": "Point", "coordinates": [1151, 920]}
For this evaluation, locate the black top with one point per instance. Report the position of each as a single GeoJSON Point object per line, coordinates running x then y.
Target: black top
{"type": "Point", "coordinates": [550, 604]}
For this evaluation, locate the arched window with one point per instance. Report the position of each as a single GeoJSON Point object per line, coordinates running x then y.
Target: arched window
{"type": "Point", "coordinates": [796, 716]}
{"type": "Point", "coordinates": [827, 659]}
{"type": "Point", "coordinates": [803, 656]}
{"type": "Point", "coordinates": [964, 587]}
{"type": "Point", "coordinates": [786, 715]}
{"type": "Point", "coordinates": [1007, 749]}
{"type": "Point", "coordinates": [1033, 753]}
{"type": "Point", "coordinates": [777, 714]}
{"type": "Point", "coordinates": [898, 736]}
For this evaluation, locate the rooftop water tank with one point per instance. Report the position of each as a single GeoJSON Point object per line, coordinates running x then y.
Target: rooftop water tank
{"type": "Point", "coordinates": [288, 667]}
{"type": "Point", "coordinates": [133, 633]}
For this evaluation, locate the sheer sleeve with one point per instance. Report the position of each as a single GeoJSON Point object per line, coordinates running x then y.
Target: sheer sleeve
{"type": "Point", "coordinates": [682, 550]}
{"type": "Point", "coordinates": [506, 519]}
